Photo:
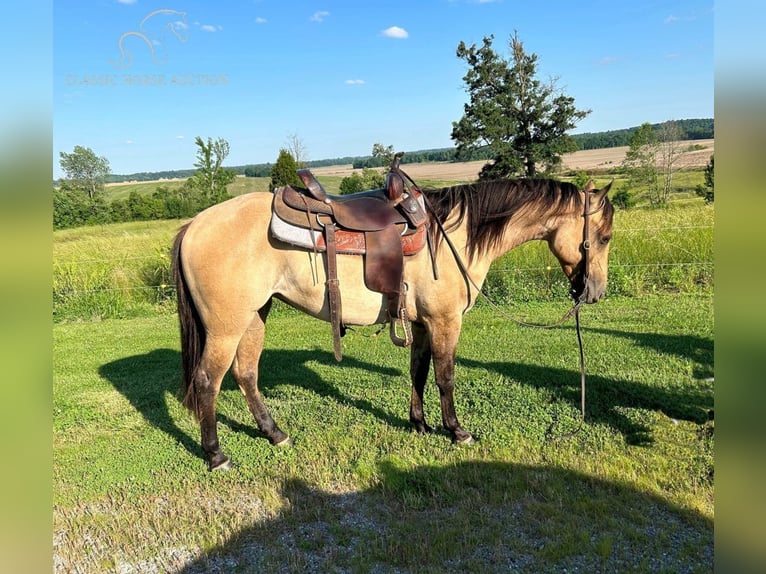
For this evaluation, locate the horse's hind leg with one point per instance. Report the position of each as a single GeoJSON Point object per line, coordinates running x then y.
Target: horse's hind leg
{"type": "Point", "coordinates": [245, 371]}
{"type": "Point", "coordinates": [215, 361]}
{"type": "Point", "coordinates": [420, 365]}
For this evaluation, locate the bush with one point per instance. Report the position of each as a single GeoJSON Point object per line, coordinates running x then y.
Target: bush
{"type": "Point", "coordinates": [706, 191]}
{"type": "Point", "coordinates": [368, 179]}
{"type": "Point", "coordinates": [623, 199]}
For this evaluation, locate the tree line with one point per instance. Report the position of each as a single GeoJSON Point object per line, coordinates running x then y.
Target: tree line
{"type": "Point", "coordinates": [690, 129]}
{"type": "Point", "coordinates": [80, 199]}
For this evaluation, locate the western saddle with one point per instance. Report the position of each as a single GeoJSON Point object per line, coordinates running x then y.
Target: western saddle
{"type": "Point", "coordinates": [382, 225]}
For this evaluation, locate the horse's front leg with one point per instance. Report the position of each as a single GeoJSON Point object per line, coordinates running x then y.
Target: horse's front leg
{"type": "Point", "coordinates": [443, 348]}
{"type": "Point", "coordinates": [420, 365]}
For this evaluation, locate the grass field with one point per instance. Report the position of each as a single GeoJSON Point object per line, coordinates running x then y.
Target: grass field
{"type": "Point", "coordinates": [358, 491]}
{"type": "Point", "coordinates": [631, 491]}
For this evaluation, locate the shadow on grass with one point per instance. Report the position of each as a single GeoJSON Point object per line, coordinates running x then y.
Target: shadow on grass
{"type": "Point", "coordinates": [146, 379]}
{"type": "Point", "coordinates": [605, 396]}
{"type": "Point", "coordinates": [697, 349]}
{"type": "Point", "coordinates": [469, 517]}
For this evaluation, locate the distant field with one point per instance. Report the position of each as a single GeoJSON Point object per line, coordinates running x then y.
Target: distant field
{"type": "Point", "coordinates": [587, 160]}
{"type": "Point", "coordinates": [436, 173]}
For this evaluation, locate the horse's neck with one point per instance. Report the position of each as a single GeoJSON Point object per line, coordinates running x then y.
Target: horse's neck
{"type": "Point", "coordinates": [519, 232]}
{"type": "Point", "coordinates": [515, 234]}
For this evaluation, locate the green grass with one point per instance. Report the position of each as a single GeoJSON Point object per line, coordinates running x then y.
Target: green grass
{"type": "Point", "coordinates": [358, 491]}
{"type": "Point", "coordinates": [118, 270]}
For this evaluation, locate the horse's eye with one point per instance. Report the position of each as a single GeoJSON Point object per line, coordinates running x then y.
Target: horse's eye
{"type": "Point", "coordinates": [606, 239]}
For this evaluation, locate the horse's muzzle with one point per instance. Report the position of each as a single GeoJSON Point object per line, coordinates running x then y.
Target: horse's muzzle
{"type": "Point", "coordinates": [587, 290]}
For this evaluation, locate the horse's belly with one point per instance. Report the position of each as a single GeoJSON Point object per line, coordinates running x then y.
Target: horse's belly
{"type": "Point", "coordinates": [303, 285]}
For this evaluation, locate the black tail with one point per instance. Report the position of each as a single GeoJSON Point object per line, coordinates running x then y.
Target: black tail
{"type": "Point", "coordinates": [192, 330]}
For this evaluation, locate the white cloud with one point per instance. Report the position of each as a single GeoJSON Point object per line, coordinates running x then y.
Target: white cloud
{"type": "Point", "coordinates": [179, 137]}
{"type": "Point", "coordinates": [672, 19]}
{"type": "Point", "coordinates": [319, 16]}
{"type": "Point", "coordinates": [260, 20]}
{"type": "Point", "coordinates": [355, 82]}
{"type": "Point", "coordinates": [395, 32]}
{"type": "Point", "coordinates": [128, 142]}
{"type": "Point", "coordinates": [126, 1]}
{"type": "Point", "coordinates": [180, 24]}
{"type": "Point", "coordinates": [606, 60]}
{"type": "Point", "coordinates": [210, 28]}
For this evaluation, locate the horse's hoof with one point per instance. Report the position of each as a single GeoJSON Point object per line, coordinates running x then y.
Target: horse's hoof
{"type": "Point", "coordinates": [466, 440]}
{"type": "Point", "coordinates": [285, 442]}
{"type": "Point", "coordinates": [223, 466]}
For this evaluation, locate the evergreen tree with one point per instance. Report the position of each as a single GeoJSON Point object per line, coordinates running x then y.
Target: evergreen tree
{"type": "Point", "coordinates": [707, 191]}
{"type": "Point", "coordinates": [284, 171]}
{"type": "Point", "coordinates": [521, 120]}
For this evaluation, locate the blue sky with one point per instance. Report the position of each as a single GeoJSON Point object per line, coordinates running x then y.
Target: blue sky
{"type": "Point", "coordinates": [138, 80]}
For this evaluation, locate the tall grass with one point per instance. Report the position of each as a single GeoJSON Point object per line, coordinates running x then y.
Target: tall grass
{"type": "Point", "coordinates": [122, 270]}
{"type": "Point", "coordinates": [119, 270]}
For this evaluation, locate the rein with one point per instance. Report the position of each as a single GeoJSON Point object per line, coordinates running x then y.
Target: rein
{"type": "Point", "coordinates": [575, 310]}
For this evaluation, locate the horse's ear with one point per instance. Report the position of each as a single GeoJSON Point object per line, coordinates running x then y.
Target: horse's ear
{"type": "Point", "coordinates": [604, 190]}
{"type": "Point", "coordinates": [590, 186]}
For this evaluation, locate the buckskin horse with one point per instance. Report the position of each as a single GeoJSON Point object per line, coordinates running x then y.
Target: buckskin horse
{"type": "Point", "coordinates": [229, 265]}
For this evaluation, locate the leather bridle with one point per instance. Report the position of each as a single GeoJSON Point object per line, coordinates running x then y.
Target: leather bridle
{"type": "Point", "coordinates": [586, 244]}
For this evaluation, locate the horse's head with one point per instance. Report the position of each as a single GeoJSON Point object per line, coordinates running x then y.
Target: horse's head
{"type": "Point", "coordinates": [179, 27]}
{"type": "Point", "coordinates": [581, 244]}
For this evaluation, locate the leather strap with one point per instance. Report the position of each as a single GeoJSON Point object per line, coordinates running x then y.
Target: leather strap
{"type": "Point", "coordinates": [333, 289]}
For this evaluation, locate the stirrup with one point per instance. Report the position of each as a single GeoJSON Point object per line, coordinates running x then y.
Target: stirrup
{"type": "Point", "coordinates": [403, 319]}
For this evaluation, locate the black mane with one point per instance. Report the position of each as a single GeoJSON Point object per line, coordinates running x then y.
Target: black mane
{"type": "Point", "coordinates": [489, 206]}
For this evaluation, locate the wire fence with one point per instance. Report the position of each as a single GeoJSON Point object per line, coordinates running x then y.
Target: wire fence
{"type": "Point", "coordinates": [644, 259]}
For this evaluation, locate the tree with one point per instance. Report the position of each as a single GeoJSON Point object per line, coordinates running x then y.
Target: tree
{"type": "Point", "coordinates": [521, 120]}
{"type": "Point", "coordinates": [640, 164]}
{"type": "Point", "coordinates": [283, 172]}
{"type": "Point", "coordinates": [707, 191]}
{"type": "Point", "coordinates": [383, 154]}
{"type": "Point", "coordinates": [297, 149]}
{"type": "Point", "coordinates": [211, 178]}
{"type": "Point", "coordinates": [668, 136]}
{"type": "Point", "coordinates": [84, 170]}
{"type": "Point", "coordinates": [652, 158]}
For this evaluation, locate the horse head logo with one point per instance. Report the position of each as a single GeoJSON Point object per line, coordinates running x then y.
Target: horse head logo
{"type": "Point", "coordinates": [152, 31]}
